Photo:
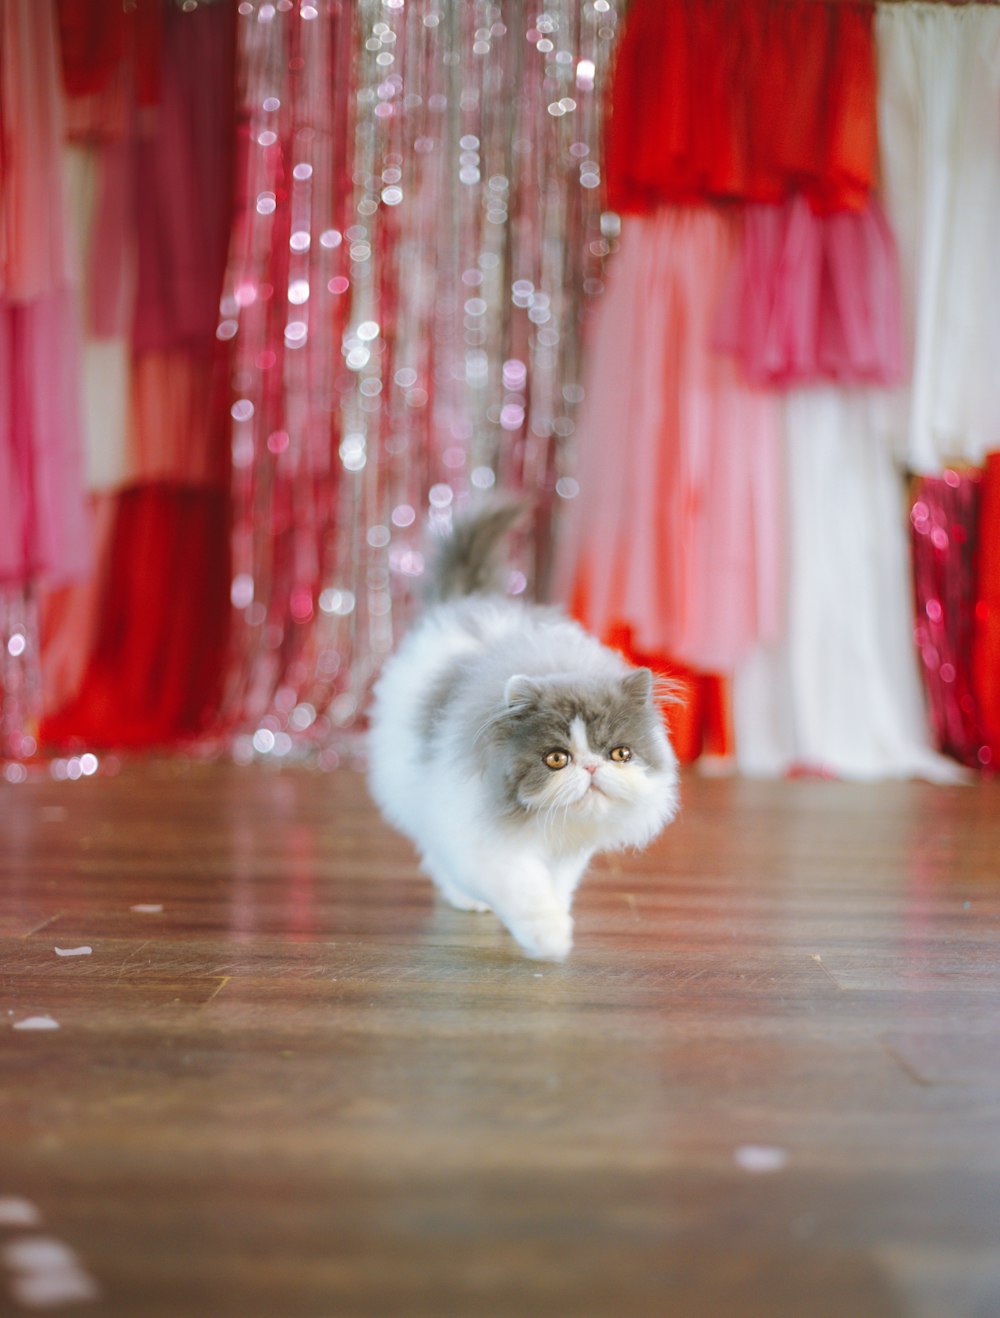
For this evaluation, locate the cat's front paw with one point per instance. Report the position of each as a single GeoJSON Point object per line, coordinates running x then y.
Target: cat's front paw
{"type": "Point", "coordinates": [460, 900]}
{"type": "Point", "coordinates": [545, 938]}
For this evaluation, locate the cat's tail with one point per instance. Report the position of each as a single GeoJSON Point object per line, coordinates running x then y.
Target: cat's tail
{"type": "Point", "coordinates": [468, 561]}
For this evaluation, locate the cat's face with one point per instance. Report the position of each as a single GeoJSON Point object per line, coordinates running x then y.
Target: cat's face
{"type": "Point", "coordinates": [574, 750]}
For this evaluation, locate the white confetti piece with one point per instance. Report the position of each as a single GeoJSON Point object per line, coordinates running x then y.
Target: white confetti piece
{"type": "Point", "coordinates": [37, 1254]}
{"type": "Point", "coordinates": [73, 951]}
{"type": "Point", "coordinates": [50, 1290]}
{"type": "Point", "coordinates": [36, 1023]}
{"type": "Point", "coordinates": [760, 1157]}
{"type": "Point", "coordinates": [148, 908]}
{"type": "Point", "coordinates": [47, 1273]}
{"type": "Point", "coordinates": [18, 1212]}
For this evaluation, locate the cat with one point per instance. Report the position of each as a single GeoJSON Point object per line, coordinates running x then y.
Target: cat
{"type": "Point", "coordinates": [511, 746]}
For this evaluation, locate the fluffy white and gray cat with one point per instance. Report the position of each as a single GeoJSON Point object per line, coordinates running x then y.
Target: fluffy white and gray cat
{"type": "Point", "coordinates": [510, 746]}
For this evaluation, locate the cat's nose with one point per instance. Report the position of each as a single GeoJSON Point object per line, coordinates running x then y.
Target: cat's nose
{"type": "Point", "coordinates": [591, 768]}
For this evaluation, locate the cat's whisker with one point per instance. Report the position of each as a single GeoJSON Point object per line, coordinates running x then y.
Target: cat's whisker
{"type": "Point", "coordinates": [494, 720]}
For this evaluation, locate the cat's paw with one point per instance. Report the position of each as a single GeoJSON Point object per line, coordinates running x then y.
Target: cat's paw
{"type": "Point", "coordinates": [459, 900]}
{"type": "Point", "coordinates": [545, 938]}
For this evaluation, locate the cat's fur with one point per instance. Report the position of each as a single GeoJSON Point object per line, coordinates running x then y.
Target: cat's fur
{"type": "Point", "coordinates": [480, 692]}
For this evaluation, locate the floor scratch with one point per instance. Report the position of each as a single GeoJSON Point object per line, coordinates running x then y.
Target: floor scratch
{"type": "Point", "coordinates": [908, 1070]}
{"type": "Point", "coordinates": [131, 956]}
{"type": "Point", "coordinates": [223, 981]}
{"type": "Point", "coordinates": [829, 974]}
{"type": "Point", "coordinates": [44, 925]}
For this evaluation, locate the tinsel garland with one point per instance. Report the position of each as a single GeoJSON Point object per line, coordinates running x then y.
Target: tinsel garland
{"type": "Point", "coordinates": [945, 520]}
{"type": "Point", "coordinates": [421, 226]}
{"type": "Point", "coordinates": [20, 678]}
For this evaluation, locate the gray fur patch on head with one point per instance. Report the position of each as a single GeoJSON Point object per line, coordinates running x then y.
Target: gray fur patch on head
{"type": "Point", "coordinates": [539, 713]}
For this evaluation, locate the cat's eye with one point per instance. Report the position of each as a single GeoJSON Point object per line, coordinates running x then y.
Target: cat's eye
{"type": "Point", "coordinates": [557, 759]}
{"type": "Point", "coordinates": [621, 755]}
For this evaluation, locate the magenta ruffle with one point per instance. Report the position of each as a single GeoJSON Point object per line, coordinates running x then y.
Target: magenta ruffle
{"type": "Point", "coordinates": [945, 523]}
{"type": "Point", "coordinates": [814, 297]}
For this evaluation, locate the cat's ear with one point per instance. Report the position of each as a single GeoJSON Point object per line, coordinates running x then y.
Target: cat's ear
{"type": "Point", "coordinates": [638, 685]}
{"type": "Point", "coordinates": [520, 690]}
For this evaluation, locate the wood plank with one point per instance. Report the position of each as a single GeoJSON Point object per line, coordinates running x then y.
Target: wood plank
{"type": "Point", "coordinates": [303, 1087]}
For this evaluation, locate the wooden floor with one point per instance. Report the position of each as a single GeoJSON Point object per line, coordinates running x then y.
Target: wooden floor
{"type": "Point", "coordinates": [767, 1082]}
